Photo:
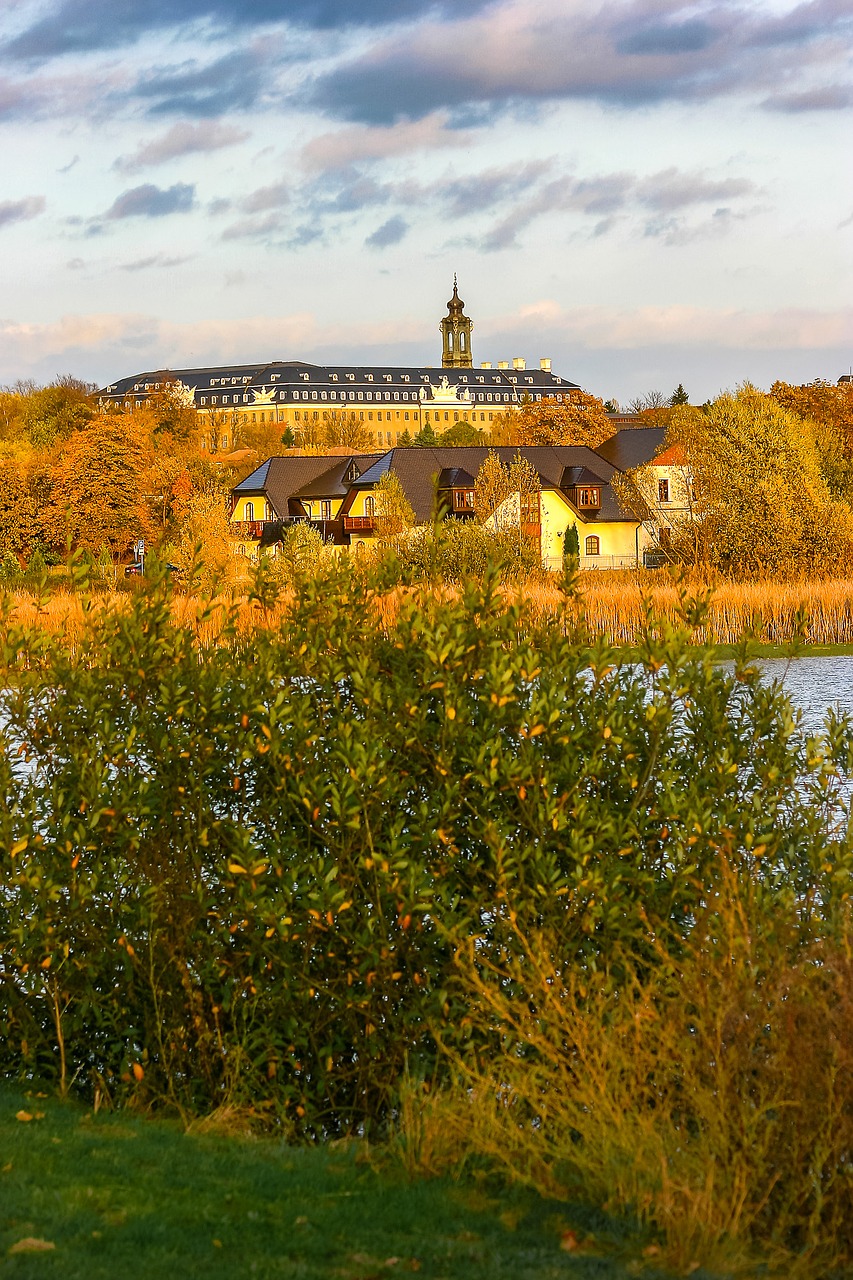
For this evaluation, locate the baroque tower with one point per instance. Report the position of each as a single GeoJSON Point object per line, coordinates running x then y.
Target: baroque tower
{"type": "Point", "coordinates": [456, 334]}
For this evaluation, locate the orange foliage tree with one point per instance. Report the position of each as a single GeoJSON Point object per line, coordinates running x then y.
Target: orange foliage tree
{"type": "Point", "coordinates": [99, 487]}
{"type": "Point", "coordinates": [578, 418]}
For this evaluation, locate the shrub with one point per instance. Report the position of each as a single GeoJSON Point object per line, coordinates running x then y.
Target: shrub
{"type": "Point", "coordinates": [283, 873]}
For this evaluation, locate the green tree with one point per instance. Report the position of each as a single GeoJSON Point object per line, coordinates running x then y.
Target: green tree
{"type": "Point", "coordinates": [679, 397]}
{"type": "Point", "coordinates": [571, 544]}
{"type": "Point", "coordinates": [426, 437]}
{"type": "Point", "coordinates": [462, 435]}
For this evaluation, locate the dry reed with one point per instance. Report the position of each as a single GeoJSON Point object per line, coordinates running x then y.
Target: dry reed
{"type": "Point", "coordinates": [820, 611]}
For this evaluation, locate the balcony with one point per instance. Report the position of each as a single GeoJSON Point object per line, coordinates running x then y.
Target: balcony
{"type": "Point", "coordinates": [358, 524]}
{"type": "Point", "coordinates": [248, 528]}
{"type": "Point", "coordinates": [531, 529]}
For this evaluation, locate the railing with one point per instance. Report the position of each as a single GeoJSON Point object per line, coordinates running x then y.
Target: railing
{"type": "Point", "coordinates": [531, 530]}
{"type": "Point", "coordinates": [354, 524]}
{"type": "Point", "coordinates": [248, 528]}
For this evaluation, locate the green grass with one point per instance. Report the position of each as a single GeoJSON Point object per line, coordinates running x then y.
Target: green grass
{"type": "Point", "coordinates": [120, 1195]}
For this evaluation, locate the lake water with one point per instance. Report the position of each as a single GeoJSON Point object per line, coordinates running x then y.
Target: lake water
{"type": "Point", "coordinates": [814, 685]}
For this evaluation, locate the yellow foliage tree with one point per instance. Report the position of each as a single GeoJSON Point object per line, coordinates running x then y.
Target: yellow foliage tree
{"type": "Point", "coordinates": [762, 503]}
{"type": "Point", "coordinates": [578, 418]}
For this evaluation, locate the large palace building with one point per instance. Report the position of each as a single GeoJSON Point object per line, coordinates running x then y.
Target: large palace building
{"type": "Point", "coordinates": [388, 400]}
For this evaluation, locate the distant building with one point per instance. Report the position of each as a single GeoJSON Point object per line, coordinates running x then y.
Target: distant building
{"type": "Point", "coordinates": [337, 495]}
{"type": "Point", "coordinates": [390, 401]}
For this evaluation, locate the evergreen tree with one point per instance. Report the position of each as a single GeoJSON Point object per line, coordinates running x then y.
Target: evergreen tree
{"type": "Point", "coordinates": [571, 544]}
{"type": "Point", "coordinates": [679, 396]}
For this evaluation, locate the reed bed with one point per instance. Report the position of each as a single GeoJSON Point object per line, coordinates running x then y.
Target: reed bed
{"type": "Point", "coordinates": [818, 611]}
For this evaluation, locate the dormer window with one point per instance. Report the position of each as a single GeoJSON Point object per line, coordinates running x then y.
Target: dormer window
{"type": "Point", "coordinates": [387, 377]}
{"type": "Point", "coordinates": [351, 377]}
{"type": "Point", "coordinates": [305, 377]}
{"type": "Point", "coordinates": [334, 377]}
{"type": "Point", "coordinates": [370, 377]}
{"type": "Point", "coordinates": [589, 496]}
{"type": "Point", "coordinates": [405, 377]}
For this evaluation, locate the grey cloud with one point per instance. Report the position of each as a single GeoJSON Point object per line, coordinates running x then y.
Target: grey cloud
{"type": "Point", "coordinates": [233, 82]}
{"type": "Point", "coordinates": [272, 197]}
{"type": "Point", "coordinates": [156, 260]}
{"type": "Point", "coordinates": [491, 186]}
{"type": "Point", "coordinates": [667, 38]}
{"type": "Point", "coordinates": [626, 55]}
{"type": "Point", "coordinates": [149, 201]}
{"type": "Point", "coordinates": [255, 228]}
{"type": "Point", "coordinates": [672, 189]}
{"type": "Point", "coordinates": [390, 233]}
{"type": "Point", "coordinates": [835, 97]}
{"type": "Point", "coordinates": [12, 211]}
{"type": "Point", "coordinates": [184, 138]}
{"type": "Point", "coordinates": [67, 167]}
{"type": "Point", "coordinates": [84, 25]}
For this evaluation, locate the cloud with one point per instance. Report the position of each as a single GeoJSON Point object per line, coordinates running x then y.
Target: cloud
{"type": "Point", "coordinates": [234, 82]}
{"type": "Point", "coordinates": [272, 197]}
{"type": "Point", "coordinates": [390, 233]}
{"type": "Point", "coordinates": [833, 97]}
{"type": "Point", "coordinates": [351, 146]}
{"type": "Point", "coordinates": [667, 38]}
{"type": "Point", "coordinates": [182, 139]}
{"type": "Point", "coordinates": [66, 168]}
{"type": "Point", "coordinates": [628, 53]}
{"type": "Point", "coordinates": [80, 26]}
{"type": "Point", "coordinates": [149, 201]}
{"type": "Point", "coordinates": [12, 211]}
{"type": "Point", "coordinates": [672, 189]}
{"type": "Point", "coordinates": [156, 260]}
{"type": "Point", "coordinates": [258, 228]}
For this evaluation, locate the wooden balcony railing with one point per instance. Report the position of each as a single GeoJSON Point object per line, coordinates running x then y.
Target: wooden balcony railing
{"type": "Point", "coordinates": [356, 524]}
{"type": "Point", "coordinates": [248, 528]}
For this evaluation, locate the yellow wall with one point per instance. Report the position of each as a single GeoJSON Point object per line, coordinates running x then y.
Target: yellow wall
{"type": "Point", "coordinates": [617, 539]}
{"type": "Point", "coordinates": [262, 509]}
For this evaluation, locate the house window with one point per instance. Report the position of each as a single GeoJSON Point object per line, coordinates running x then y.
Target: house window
{"type": "Point", "coordinates": [591, 545]}
{"type": "Point", "coordinates": [589, 498]}
{"type": "Point", "coordinates": [369, 506]}
{"type": "Point", "coordinates": [325, 510]}
{"type": "Point", "coordinates": [663, 491]}
{"type": "Point", "coordinates": [249, 510]}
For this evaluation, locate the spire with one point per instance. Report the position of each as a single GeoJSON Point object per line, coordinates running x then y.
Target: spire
{"type": "Point", "coordinates": [456, 333]}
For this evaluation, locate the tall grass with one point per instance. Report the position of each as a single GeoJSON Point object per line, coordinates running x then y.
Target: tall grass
{"type": "Point", "coordinates": [820, 611]}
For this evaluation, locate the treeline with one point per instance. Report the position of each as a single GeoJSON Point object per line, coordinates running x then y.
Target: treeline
{"type": "Point", "coordinates": [584, 913]}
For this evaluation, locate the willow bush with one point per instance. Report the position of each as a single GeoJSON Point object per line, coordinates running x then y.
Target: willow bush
{"type": "Point", "coordinates": [241, 873]}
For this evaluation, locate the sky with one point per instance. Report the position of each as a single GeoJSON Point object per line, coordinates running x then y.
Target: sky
{"type": "Point", "coordinates": [647, 192]}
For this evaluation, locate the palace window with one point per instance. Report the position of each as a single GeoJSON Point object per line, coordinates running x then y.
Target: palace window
{"type": "Point", "coordinates": [591, 545]}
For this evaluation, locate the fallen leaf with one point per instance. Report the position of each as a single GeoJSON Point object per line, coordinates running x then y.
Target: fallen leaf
{"type": "Point", "coordinates": [138, 1072]}
{"type": "Point", "coordinates": [569, 1242]}
{"type": "Point", "coordinates": [7, 1168]}
{"type": "Point", "coordinates": [30, 1244]}
{"type": "Point", "coordinates": [23, 1116]}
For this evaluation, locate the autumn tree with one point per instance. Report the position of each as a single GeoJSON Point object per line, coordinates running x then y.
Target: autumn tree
{"type": "Point", "coordinates": [99, 485]}
{"type": "Point", "coordinates": [496, 482]}
{"type": "Point", "coordinates": [393, 513]}
{"type": "Point", "coordinates": [829, 408]}
{"type": "Point", "coordinates": [762, 503]}
{"type": "Point", "coordinates": [204, 539]}
{"type": "Point", "coordinates": [462, 435]}
{"type": "Point", "coordinates": [578, 418]}
{"type": "Point", "coordinates": [51, 414]}
{"type": "Point", "coordinates": [18, 524]}
{"type": "Point", "coordinates": [342, 429]}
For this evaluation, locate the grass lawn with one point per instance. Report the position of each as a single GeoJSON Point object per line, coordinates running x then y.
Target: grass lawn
{"type": "Point", "coordinates": [123, 1196]}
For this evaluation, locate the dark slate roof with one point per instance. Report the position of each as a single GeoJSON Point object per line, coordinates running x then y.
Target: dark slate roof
{"type": "Point", "coordinates": [281, 479]}
{"type": "Point", "coordinates": [285, 377]}
{"type": "Point", "coordinates": [256, 481]}
{"type": "Point", "coordinates": [416, 467]}
{"type": "Point", "coordinates": [633, 446]}
{"type": "Point", "coordinates": [579, 475]}
{"type": "Point", "coordinates": [455, 478]}
{"type": "Point", "coordinates": [331, 484]}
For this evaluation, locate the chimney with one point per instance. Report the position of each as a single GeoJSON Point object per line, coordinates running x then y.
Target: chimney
{"type": "Point", "coordinates": [503, 364]}
{"type": "Point", "coordinates": [519, 363]}
{"type": "Point", "coordinates": [545, 364]}
{"type": "Point", "coordinates": [487, 364]}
